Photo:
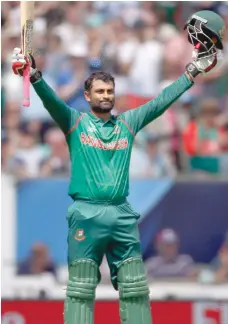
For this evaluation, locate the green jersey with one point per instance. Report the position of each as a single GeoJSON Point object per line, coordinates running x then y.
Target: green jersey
{"type": "Point", "coordinates": [100, 150]}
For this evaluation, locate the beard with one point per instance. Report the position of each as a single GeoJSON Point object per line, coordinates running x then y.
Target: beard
{"type": "Point", "coordinates": [102, 107]}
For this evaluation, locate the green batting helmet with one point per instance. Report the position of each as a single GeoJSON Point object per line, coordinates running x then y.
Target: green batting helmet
{"type": "Point", "coordinates": [207, 29]}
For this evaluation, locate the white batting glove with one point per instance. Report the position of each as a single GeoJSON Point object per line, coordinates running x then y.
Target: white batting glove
{"type": "Point", "coordinates": [201, 64]}
{"type": "Point", "coordinates": [20, 62]}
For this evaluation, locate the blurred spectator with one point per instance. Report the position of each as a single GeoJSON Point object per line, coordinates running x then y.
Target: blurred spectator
{"type": "Point", "coordinates": [159, 164]}
{"type": "Point", "coordinates": [51, 11]}
{"type": "Point", "coordinates": [37, 128]}
{"type": "Point", "coordinates": [25, 160]}
{"type": "Point", "coordinates": [57, 164]}
{"type": "Point", "coordinates": [139, 163]}
{"type": "Point", "coordinates": [145, 60]}
{"type": "Point", "coordinates": [71, 30]}
{"type": "Point", "coordinates": [96, 47]}
{"type": "Point", "coordinates": [142, 55]}
{"type": "Point", "coordinates": [6, 153]}
{"type": "Point", "coordinates": [220, 264]}
{"type": "Point", "coordinates": [203, 139]}
{"type": "Point", "coordinates": [11, 121]}
{"type": "Point", "coordinates": [71, 80]}
{"type": "Point", "coordinates": [38, 262]}
{"type": "Point", "coordinates": [177, 53]}
{"type": "Point", "coordinates": [169, 263]}
{"type": "Point", "coordinates": [93, 17]}
{"type": "Point", "coordinates": [55, 56]}
{"type": "Point", "coordinates": [217, 270]}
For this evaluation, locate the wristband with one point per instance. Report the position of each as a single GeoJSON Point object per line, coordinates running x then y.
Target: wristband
{"type": "Point", "coordinates": [192, 70]}
{"type": "Point", "coordinates": [36, 76]}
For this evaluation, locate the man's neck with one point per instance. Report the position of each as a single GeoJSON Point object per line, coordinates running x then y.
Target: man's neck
{"type": "Point", "coordinates": [104, 116]}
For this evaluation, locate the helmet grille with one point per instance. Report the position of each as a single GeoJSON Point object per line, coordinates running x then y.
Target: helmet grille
{"type": "Point", "coordinates": [201, 36]}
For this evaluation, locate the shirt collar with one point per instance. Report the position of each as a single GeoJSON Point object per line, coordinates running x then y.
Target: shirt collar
{"type": "Point", "coordinates": [112, 119]}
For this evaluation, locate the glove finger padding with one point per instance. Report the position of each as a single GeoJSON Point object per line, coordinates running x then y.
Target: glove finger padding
{"type": "Point", "coordinates": [201, 65]}
{"type": "Point", "coordinates": [19, 65]}
{"type": "Point", "coordinates": [20, 62]}
{"type": "Point", "coordinates": [205, 65]}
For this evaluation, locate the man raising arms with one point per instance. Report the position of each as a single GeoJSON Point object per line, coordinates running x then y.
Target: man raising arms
{"type": "Point", "coordinates": [100, 219]}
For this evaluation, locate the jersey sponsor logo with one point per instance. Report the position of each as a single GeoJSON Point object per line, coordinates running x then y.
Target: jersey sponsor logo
{"type": "Point", "coordinates": [120, 144]}
{"type": "Point", "coordinates": [79, 235]}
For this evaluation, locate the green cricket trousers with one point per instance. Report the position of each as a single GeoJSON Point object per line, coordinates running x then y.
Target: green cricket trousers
{"type": "Point", "coordinates": [95, 229]}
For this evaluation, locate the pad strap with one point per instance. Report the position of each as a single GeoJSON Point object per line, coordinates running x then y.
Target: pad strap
{"type": "Point", "coordinates": [132, 281]}
{"type": "Point", "coordinates": [79, 304]}
{"type": "Point", "coordinates": [83, 279]}
{"type": "Point", "coordinates": [134, 293]}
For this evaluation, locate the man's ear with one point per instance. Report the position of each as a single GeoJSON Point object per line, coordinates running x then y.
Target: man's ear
{"type": "Point", "coordinates": [87, 96]}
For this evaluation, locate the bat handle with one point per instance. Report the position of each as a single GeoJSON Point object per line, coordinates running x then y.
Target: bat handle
{"type": "Point", "coordinates": [26, 87]}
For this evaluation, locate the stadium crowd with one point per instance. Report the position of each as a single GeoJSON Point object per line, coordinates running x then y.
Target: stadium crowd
{"type": "Point", "coordinates": [144, 46]}
{"type": "Point", "coordinates": [168, 263]}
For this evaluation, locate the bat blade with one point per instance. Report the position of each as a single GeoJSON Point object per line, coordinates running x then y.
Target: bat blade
{"type": "Point", "coordinates": [27, 19]}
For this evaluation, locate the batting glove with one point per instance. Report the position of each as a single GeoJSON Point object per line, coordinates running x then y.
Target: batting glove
{"type": "Point", "coordinates": [20, 63]}
{"type": "Point", "coordinates": [201, 65]}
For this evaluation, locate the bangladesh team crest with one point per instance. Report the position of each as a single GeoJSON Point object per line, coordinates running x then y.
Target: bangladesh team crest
{"type": "Point", "coordinates": [222, 32]}
{"type": "Point", "coordinates": [79, 235]}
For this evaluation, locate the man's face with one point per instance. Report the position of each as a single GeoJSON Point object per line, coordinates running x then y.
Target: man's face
{"type": "Point", "coordinates": [169, 251]}
{"type": "Point", "coordinates": [101, 97]}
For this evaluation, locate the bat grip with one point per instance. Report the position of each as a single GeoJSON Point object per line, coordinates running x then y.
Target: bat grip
{"type": "Point", "coordinates": [26, 87]}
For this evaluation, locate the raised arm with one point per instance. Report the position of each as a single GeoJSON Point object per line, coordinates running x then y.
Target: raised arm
{"type": "Point", "coordinates": [63, 115]}
{"type": "Point", "coordinates": [143, 115]}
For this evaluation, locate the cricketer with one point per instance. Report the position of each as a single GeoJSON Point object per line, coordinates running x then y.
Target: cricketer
{"type": "Point", "coordinates": [100, 219]}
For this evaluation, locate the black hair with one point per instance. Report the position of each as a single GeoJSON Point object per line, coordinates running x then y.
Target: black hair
{"type": "Point", "coordinates": [103, 76]}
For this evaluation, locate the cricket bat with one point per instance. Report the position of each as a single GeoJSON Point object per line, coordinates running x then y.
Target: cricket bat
{"type": "Point", "coordinates": [27, 18]}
